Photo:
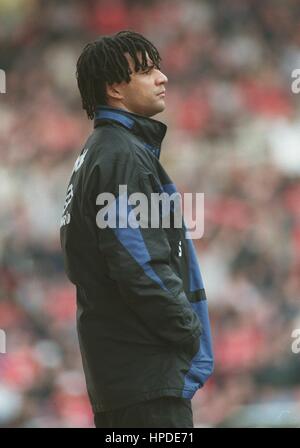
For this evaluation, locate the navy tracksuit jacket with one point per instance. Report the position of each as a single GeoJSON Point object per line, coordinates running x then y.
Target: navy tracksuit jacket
{"type": "Point", "coordinates": [142, 316]}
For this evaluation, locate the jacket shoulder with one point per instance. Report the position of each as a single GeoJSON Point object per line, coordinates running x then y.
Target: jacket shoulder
{"type": "Point", "coordinates": [110, 143]}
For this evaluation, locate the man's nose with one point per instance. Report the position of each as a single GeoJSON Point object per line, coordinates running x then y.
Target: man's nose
{"type": "Point", "coordinates": [161, 78]}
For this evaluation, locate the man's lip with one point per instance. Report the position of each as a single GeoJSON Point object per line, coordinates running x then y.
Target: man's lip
{"type": "Point", "coordinates": [162, 93]}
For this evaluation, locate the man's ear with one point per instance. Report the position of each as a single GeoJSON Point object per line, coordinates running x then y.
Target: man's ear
{"type": "Point", "coordinates": [114, 91]}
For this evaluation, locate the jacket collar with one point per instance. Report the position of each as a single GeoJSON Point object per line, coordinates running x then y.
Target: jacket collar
{"type": "Point", "coordinates": [151, 132]}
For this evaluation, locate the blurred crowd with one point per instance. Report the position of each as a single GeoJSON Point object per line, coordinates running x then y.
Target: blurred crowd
{"type": "Point", "coordinates": [234, 134]}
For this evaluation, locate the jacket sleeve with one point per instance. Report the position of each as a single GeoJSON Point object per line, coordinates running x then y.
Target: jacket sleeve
{"type": "Point", "coordinates": [138, 260]}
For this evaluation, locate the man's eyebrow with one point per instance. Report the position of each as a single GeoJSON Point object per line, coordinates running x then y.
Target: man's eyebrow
{"type": "Point", "coordinates": [151, 64]}
{"type": "Point", "coordinates": [147, 67]}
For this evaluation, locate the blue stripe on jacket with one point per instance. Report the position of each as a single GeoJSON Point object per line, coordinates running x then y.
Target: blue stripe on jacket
{"type": "Point", "coordinates": [132, 239]}
{"type": "Point", "coordinates": [202, 363]}
{"type": "Point", "coordinates": [101, 113]}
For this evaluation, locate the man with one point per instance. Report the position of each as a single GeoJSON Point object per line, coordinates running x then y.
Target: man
{"type": "Point", "coordinates": [142, 315]}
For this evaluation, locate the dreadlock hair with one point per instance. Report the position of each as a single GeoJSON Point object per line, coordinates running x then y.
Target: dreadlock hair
{"type": "Point", "coordinates": [103, 61]}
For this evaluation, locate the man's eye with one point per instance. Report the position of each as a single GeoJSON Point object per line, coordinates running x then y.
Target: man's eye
{"type": "Point", "coordinates": [149, 69]}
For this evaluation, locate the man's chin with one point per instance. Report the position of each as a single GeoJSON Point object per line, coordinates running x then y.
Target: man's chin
{"type": "Point", "coordinates": [158, 109]}
{"type": "Point", "coordinates": [150, 111]}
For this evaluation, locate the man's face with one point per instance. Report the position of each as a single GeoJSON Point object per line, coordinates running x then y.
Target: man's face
{"type": "Point", "coordinates": [144, 94]}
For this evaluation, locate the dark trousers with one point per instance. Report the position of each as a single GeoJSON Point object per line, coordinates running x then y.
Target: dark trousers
{"type": "Point", "coordinates": [163, 412]}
